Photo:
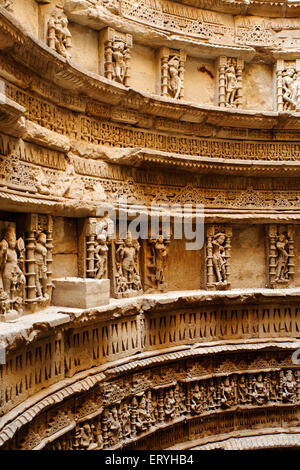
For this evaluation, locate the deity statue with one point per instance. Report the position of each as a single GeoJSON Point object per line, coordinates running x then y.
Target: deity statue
{"type": "Point", "coordinates": [114, 426]}
{"type": "Point", "coordinates": [127, 261]}
{"type": "Point", "coordinates": [290, 85]}
{"type": "Point", "coordinates": [59, 36]}
{"type": "Point", "coordinates": [12, 279]}
{"type": "Point", "coordinates": [119, 61]}
{"type": "Point", "coordinates": [219, 260]}
{"type": "Point", "coordinates": [282, 244]}
{"type": "Point", "coordinates": [143, 416]}
{"type": "Point", "coordinates": [260, 393]}
{"type": "Point", "coordinates": [40, 256]}
{"type": "Point", "coordinates": [211, 395]}
{"type": "Point", "coordinates": [126, 425]}
{"type": "Point", "coordinates": [197, 399]}
{"type": "Point", "coordinates": [42, 183]}
{"type": "Point", "coordinates": [273, 387]}
{"type": "Point", "coordinates": [175, 84]}
{"type": "Point", "coordinates": [101, 257]}
{"type": "Point", "coordinates": [169, 405]}
{"type": "Point", "coordinates": [231, 86]}
{"type": "Point", "coordinates": [227, 393]}
{"type": "Point", "coordinates": [242, 390]}
{"type": "Point", "coordinates": [289, 387]}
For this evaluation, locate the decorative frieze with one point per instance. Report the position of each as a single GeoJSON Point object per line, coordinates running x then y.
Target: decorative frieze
{"type": "Point", "coordinates": [171, 72]}
{"type": "Point", "coordinates": [115, 53]}
{"type": "Point", "coordinates": [281, 255]}
{"type": "Point", "coordinates": [218, 247]}
{"type": "Point", "coordinates": [230, 82]}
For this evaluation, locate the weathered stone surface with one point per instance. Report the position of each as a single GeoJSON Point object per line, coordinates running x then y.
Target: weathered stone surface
{"type": "Point", "coordinates": [80, 293]}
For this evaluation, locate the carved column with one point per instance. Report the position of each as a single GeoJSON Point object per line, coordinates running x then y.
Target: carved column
{"type": "Point", "coordinates": [209, 258]}
{"type": "Point", "coordinates": [49, 244]}
{"type": "Point", "coordinates": [182, 60]}
{"type": "Point", "coordinates": [272, 252]}
{"type": "Point", "coordinates": [164, 53]}
{"type": "Point", "coordinates": [239, 68]}
{"type": "Point", "coordinates": [30, 228]}
{"type": "Point", "coordinates": [279, 70]}
{"type": "Point", "coordinates": [222, 62]}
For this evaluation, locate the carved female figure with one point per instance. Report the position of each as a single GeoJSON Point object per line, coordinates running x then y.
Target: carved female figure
{"type": "Point", "coordinates": [101, 257]}
{"type": "Point", "coordinates": [12, 277]}
{"type": "Point", "coordinates": [283, 256]}
{"type": "Point", "coordinates": [290, 88]}
{"type": "Point", "coordinates": [40, 256]}
{"type": "Point", "coordinates": [143, 417]}
{"type": "Point", "coordinates": [219, 260]}
{"type": "Point", "coordinates": [161, 255]}
{"type": "Point", "coordinates": [119, 61]}
{"type": "Point", "coordinates": [231, 85]}
{"type": "Point", "coordinates": [175, 82]}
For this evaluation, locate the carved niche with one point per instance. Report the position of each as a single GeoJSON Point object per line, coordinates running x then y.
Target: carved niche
{"type": "Point", "coordinates": [281, 255]}
{"type": "Point", "coordinates": [124, 267]}
{"type": "Point", "coordinates": [115, 53]}
{"type": "Point", "coordinates": [171, 71]}
{"type": "Point", "coordinates": [288, 85]}
{"type": "Point", "coordinates": [230, 82]}
{"type": "Point", "coordinates": [218, 247]}
{"type": "Point", "coordinates": [26, 265]}
{"type": "Point", "coordinates": [58, 35]}
{"type": "Point", "coordinates": [155, 263]}
{"type": "Point", "coordinates": [94, 240]}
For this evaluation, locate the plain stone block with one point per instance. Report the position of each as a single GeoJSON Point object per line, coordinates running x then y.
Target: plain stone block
{"type": "Point", "coordinates": [80, 293]}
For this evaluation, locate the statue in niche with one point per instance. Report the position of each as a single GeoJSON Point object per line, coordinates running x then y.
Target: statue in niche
{"type": "Point", "coordinates": [170, 405]}
{"type": "Point", "coordinates": [40, 256]}
{"type": "Point", "coordinates": [242, 390]}
{"type": "Point", "coordinates": [12, 279]}
{"type": "Point", "coordinates": [289, 387]}
{"type": "Point", "coordinates": [119, 54]}
{"type": "Point", "coordinates": [59, 36]}
{"type": "Point", "coordinates": [181, 400]}
{"type": "Point", "coordinates": [84, 437]}
{"type": "Point", "coordinates": [175, 84]}
{"type": "Point", "coordinates": [128, 278]}
{"type": "Point", "coordinates": [197, 399]}
{"type": "Point", "coordinates": [273, 387]}
{"type": "Point", "coordinates": [211, 395]}
{"type": "Point", "coordinates": [126, 425]}
{"type": "Point", "coordinates": [260, 393]}
{"type": "Point", "coordinates": [114, 426]}
{"type": "Point", "coordinates": [290, 85]}
{"type": "Point", "coordinates": [101, 250]}
{"type": "Point", "coordinates": [227, 393]}
{"type": "Point", "coordinates": [143, 416]}
{"type": "Point", "coordinates": [231, 86]}
{"type": "Point", "coordinates": [219, 260]}
{"type": "Point", "coordinates": [282, 244]}
{"type": "Point", "coordinates": [160, 261]}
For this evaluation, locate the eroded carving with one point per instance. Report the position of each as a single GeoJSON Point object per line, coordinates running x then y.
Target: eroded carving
{"type": "Point", "coordinates": [58, 35]}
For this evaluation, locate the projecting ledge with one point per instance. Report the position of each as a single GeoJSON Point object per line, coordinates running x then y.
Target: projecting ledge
{"type": "Point", "coordinates": [81, 293]}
